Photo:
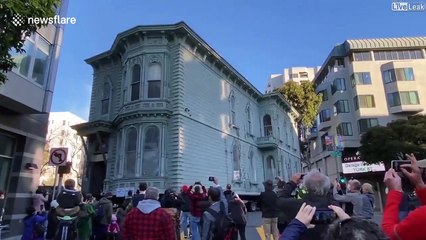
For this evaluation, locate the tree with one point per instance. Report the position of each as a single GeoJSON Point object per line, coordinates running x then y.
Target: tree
{"type": "Point", "coordinates": [386, 143]}
{"type": "Point", "coordinates": [14, 27]}
{"type": "Point", "coordinates": [307, 102]}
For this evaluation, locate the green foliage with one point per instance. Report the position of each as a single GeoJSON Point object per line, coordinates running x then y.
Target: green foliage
{"type": "Point", "coordinates": [13, 37]}
{"type": "Point", "coordinates": [383, 144]}
{"type": "Point", "coordinates": [304, 99]}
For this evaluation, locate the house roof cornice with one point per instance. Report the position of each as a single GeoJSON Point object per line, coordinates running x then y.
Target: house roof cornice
{"type": "Point", "coordinates": [182, 30]}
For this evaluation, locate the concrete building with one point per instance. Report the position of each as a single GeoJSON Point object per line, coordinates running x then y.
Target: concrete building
{"type": "Point", "coordinates": [25, 101]}
{"type": "Point", "coordinates": [167, 109]}
{"type": "Point", "coordinates": [365, 83]}
{"type": "Point", "coordinates": [60, 134]}
{"type": "Point", "coordinates": [297, 74]}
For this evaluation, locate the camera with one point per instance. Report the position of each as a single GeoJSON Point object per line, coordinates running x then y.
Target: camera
{"type": "Point", "coordinates": [396, 164]}
{"type": "Point", "coordinates": [323, 216]}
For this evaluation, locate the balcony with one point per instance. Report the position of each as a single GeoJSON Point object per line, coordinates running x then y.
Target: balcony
{"type": "Point", "coordinates": [406, 109]}
{"type": "Point", "coordinates": [266, 143]}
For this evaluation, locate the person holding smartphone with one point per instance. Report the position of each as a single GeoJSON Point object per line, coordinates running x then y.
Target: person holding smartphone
{"type": "Point", "coordinates": [412, 227]}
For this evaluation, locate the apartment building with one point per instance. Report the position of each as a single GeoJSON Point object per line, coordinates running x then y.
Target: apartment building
{"type": "Point", "coordinates": [365, 83]}
{"type": "Point", "coordinates": [296, 74]}
{"type": "Point", "coordinates": [25, 101]}
{"type": "Point", "coordinates": [172, 112]}
{"type": "Point", "coordinates": [60, 134]}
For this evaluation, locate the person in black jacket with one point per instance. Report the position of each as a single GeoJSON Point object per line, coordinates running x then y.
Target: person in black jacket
{"type": "Point", "coordinates": [52, 221]}
{"type": "Point", "coordinates": [268, 200]}
{"type": "Point", "coordinates": [238, 211]}
{"type": "Point", "coordinates": [186, 210]}
{"type": "Point", "coordinates": [141, 195]}
{"type": "Point", "coordinates": [284, 190]}
{"type": "Point", "coordinates": [317, 185]}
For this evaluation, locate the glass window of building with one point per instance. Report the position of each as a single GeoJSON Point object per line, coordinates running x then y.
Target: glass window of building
{"type": "Point", "coordinates": [151, 152]}
{"type": "Point", "coordinates": [232, 106]}
{"type": "Point", "coordinates": [33, 64]}
{"type": "Point", "coordinates": [338, 85]}
{"type": "Point", "coordinates": [7, 149]}
{"type": "Point", "coordinates": [324, 95]}
{"type": "Point", "coordinates": [267, 125]}
{"type": "Point", "coordinates": [367, 123]}
{"type": "Point", "coordinates": [154, 80]}
{"type": "Point", "coordinates": [236, 155]}
{"type": "Point", "coordinates": [364, 101]}
{"type": "Point", "coordinates": [249, 127]}
{"type": "Point", "coordinates": [105, 98]}
{"type": "Point", "coordinates": [344, 129]}
{"type": "Point", "coordinates": [398, 55]}
{"type": "Point", "coordinates": [136, 82]}
{"type": "Point", "coordinates": [341, 106]}
{"type": "Point", "coordinates": [130, 160]}
{"type": "Point", "coordinates": [325, 115]}
{"type": "Point", "coordinates": [362, 56]}
{"type": "Point", "coordinates": [361, 78]}
{"type": "Point", "coordinates": [398, 74]}
{"type": "Point", "coordinates": [403, 98]}
{"type": "Point", "coordinates": [270, 168]}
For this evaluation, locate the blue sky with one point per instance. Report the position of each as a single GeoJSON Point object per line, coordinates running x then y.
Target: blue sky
{"type": "Point", "coordinates": [257, 37]}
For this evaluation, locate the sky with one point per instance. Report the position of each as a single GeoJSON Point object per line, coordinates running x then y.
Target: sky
{"type": "Point", "coordinates": [257, 37]}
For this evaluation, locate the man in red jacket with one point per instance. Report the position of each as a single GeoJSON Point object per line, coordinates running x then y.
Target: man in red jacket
{"type": "Point", "coordinates": [148, 221]}
{"type": "Point", "coordinates": [412, 227]}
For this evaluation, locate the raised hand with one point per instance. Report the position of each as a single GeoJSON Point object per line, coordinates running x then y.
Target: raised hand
{"type": "Point", "coordinates": [412, 172]}
{"type": "Point", "coordinates": [392, 180]}
{"type": "Point", "coordinates": [305, 214]}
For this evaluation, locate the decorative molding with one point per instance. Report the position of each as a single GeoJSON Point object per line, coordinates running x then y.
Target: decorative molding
{"type": "Point", "coordinates": [155, 59]}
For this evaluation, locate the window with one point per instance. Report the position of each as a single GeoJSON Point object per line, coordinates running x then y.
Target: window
{"type": "Point", "coordinates": [270, 168]}
{"type": "Point", "coordinates": [398, 55]}
{"type": "Point", "coordinates": [361, 78]}
{"type": "Point", "coordinates": [362, 56]}
{"type": "Point", "coordinates": [131, 143]}
{"type": "Point", "coordinates": [365, 124]}
{"type": "Point", "coordinates": [364, 101]}
{"type": "Point", "coordinates": [403, 98]}
{"type": "Point", "coordinates": [344, 129]}
{"type": "Point", "coordinates": [303, 74]}
{"type": "Point", "coordinates": [33, 63]}
{"type": "Point", "coordinates": [151, 152]}
{"type": "Point", "coordinates": [154, 81]}
{"type": "Point", "coordinates": [232, 103]}
{"type": "Point", "coordinates": [236, 154]}
{"type": "Point", "coordinates": [325, 115]}
{"type": "Point", "coordinates": [324, 95]}
{"type": "Point", "coordinates": [267, 125]}
{"type": "Point", "coordinates": [105, 98]}
{"type": "Point", "coordinates": [398, 74]}
{"type": "Point", "coordinates": [324, 141]}
{"type": "Point", "coordinates": [7, 149]}
{"type": "Point", "coordinates": [338, 85]}
{"type": "Point", "coordinates": [136, 82]}
{"type": "Point", "coordinates": [119, 156]}
{"type": "Point", "coordinates": [249, 128]}
{"type": "Point", "coordinates": [341, 106]}
{"type": "Point", "coordinates": [294, 75]}
{"type": "Point", "coordinates": [253, 166]}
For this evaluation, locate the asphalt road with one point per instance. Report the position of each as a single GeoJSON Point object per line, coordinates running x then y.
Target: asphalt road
{"type": "Point", "coordinates": [254, 230]}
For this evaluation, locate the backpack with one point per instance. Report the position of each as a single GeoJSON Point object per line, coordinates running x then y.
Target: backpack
{"type": "Point", "coordinates": [39, 229]}
{"type": "Point", "coordinates": [223, 226]}
{"type": "Point", "coordinates": [99, 213]}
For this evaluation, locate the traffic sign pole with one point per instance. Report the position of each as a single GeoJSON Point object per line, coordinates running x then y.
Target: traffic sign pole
{"type": "Point", "coordinates": [54, 184]}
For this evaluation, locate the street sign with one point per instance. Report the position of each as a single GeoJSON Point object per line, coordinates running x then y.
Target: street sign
{"type": "Point", "coordinates": [58, 156]}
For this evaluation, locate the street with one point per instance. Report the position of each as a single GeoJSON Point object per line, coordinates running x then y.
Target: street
{"type": "Point", "coordinates": [254, 230]}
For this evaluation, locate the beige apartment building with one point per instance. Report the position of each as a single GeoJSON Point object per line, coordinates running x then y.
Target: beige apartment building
{"type": "Point", "coordinates": [296, 74]}
{"type": "Point", "coordinates": [365, 83]}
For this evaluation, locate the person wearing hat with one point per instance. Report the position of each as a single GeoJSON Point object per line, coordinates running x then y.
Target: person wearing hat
{"type": "Point", "coordinates": [268, 200]}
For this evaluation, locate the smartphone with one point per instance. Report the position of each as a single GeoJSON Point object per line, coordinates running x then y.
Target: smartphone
{"type": "Point", "coordinates": [211, 179]}
{"type": "Point", "coordinates": [302, 176]}
{"type": "Point", "coordinates": [324, 216]}
{"type": "Point", "coordinates": [396, 164]}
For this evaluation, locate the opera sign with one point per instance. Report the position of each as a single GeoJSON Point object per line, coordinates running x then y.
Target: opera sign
{"type": "Point", "coordinates": [361, 167]}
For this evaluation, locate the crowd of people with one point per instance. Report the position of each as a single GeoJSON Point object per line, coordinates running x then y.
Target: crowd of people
{"type": "Point", "coordinates": [309, 206]}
